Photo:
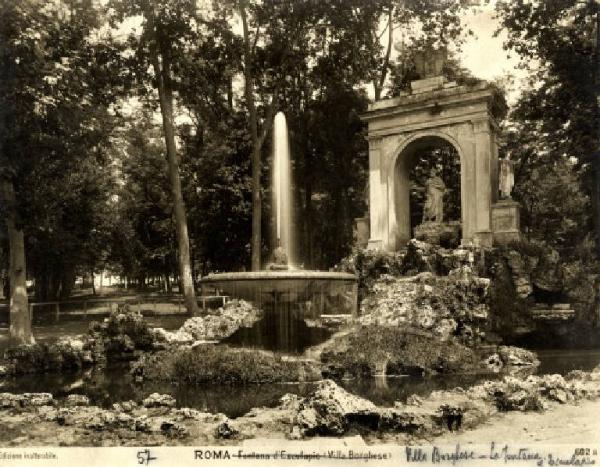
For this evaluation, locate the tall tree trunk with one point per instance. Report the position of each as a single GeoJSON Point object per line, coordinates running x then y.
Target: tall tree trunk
{"type": "Point", "coordinates": [596, 156]}
{"type": "Point", "coordinates": [596, 199]}
{"type": "Point", "coordinates": [54, 284]}
{"type": "Point", "coordinates": [379, 82]}
{"type": "Point", "coordinates": [256, 243]}
{"type": "Point", "coordinates": [20, 321]}
{"type": "Point", "coordinates": [230, 93]}
{"type": "Point", "coordinates": [41, 285]}
{"type": "Point", "coordinates": [308, 207]}
{"type": "Point", "coordinates": [165, 94]}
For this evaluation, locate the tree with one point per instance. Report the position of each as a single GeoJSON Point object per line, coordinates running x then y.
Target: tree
{"type": "Point", "coordinates": [559, 43]}
{"type": "Point", "coordinates": [310, 54]}
{"type": "Point", "coordinates": [20, 68]}
{"type": "Point", "coordinates": [167, 31]}
{"type": "Point", "coordinates": [143, 243]}
{"type": "Point", "coordinates": [56, 88]}
{"type": "Point", "coordinates": [20, 321]}
{"type": "Point", "coordinates": [257, 140]}
{"type": "Point", "coordinates": [425, 24]}
{"type": "Point", "coordinates": [216, 149]}
{"type": "Point", "coordinates": [555, 208]}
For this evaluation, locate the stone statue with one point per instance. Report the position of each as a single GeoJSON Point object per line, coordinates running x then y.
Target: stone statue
{"type": "Point", "coordinates": [430, 63]}
{"type": "Point", "coordinates": [433, 210]}
{"type": "Point", "coordinates": [280, 259]}
{"type": "Point", "coordinates": [280, 256]}
{"type": "Point", "coordinates": [507, 178]}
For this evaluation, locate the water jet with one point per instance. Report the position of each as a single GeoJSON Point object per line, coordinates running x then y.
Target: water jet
{"type": "Point", "coordinates": [283, 287]}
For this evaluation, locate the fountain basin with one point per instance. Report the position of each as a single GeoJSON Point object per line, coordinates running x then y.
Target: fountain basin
{"type": "Point", "coordinates": [314, 292]}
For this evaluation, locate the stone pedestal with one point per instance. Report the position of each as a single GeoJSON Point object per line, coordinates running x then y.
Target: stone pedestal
{"type": "Point", "coordinates": [438, 232]}
{"type": "Point", "coordinates": [483, 238]}
{"type": "Point", "coordinates": [427, 84]}
{"type": "Point", "coordinates": [375, 244]}
{"type": "Point", "coordinates": [362, 231]}
{"type": "Point", "coordinates": [506, 224]}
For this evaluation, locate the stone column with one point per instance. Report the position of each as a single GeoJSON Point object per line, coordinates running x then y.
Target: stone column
{"type": "Point", "coordinates": [400, 229]}
{"type": "Point", "coordinates": [483, 181]}
{"type": "Point", "coordinates": [468, 203]}
{"type": "Point", "coordinates": [376, 202]}
{"type": "Point", "coordinates": [495, 165]}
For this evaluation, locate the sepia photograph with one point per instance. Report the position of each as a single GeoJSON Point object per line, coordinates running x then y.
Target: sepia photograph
{"type": "Point", "coordinates": [299, 232]}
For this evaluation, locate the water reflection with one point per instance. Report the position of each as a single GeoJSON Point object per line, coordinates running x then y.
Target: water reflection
{"type": "Point", "coordinates": [114, 384]}
{"type": "Point", "coordinates": [562, 361]}
{"type": "Point", "coordinates": [106, 386]}
{"type": "Point", "coordinates": [387, 390]}
{"type": "Point", "coordinates": [282, 329]}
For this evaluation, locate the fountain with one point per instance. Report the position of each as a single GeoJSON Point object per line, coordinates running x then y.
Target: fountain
{"type": "Point", "coordinates": [283, 285]}
{"type": "Point", "coordinates": [281, 190]}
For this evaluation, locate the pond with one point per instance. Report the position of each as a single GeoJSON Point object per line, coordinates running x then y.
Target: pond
{"type": "Point", "coordinates": [106, 386]}
{"type": "Point", "coordinates": [114, 384]}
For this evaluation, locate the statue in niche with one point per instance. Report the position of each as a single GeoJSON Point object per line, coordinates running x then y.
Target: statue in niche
{"type": "Point", "coordinates": [433, 210]}
{"type": "Point", "coordinates": [507, 178]}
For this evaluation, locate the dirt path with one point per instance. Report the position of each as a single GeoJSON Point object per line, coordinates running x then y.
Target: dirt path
{"type": "Point", "coordinates": [562, 424]}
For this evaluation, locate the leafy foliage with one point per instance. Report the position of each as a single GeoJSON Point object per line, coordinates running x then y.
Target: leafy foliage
{"type": "Point", "coordinates": [57, 95]}
{"type": "Point", "coordinates": [558, 119]}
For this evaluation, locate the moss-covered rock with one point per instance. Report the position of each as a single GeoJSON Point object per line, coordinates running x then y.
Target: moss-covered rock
{"type": "Point", "coordinates": [65, 354]}
{"type": "Point", "coordinates": [446, 306]}
{"type": "Point", "coordinates": [369, 265]}
{"type": "Point", "coordinates": [331, 410]}
{"type": "Point", "coordinates": [328, 411]}
{"type": "Point", "coordinates": [370, 350]}
{"type": "Point", "coordinates": [516, 356]}
{"type": "Point", "coordinates": [208, 364]}
{"type": "Point", "coordinates": [130, 323]}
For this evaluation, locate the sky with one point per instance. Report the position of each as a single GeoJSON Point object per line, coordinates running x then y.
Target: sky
{"type": "Point", "coordinates": [483, 53]}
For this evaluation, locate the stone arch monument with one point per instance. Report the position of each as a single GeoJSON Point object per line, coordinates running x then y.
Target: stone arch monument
{"type": "Point", "coordinates": [436, 111]}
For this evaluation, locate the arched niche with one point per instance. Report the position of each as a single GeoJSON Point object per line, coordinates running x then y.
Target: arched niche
{"type": "Point", "coordinates": [463, 116]}
{"type": "Point", "coordinates": [403, 161]}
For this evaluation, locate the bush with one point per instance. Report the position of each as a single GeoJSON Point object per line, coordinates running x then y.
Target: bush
{"type": "Point", "coordinates": [526, 248]}
{"type": "Point", "coordinates": [507, 310]}
{"type": "Point", "coordinates": [41, 357]}
{"type": "Point", "coordinates": [125, 321]}
{"type": "Point", "coordinates": [221, 365]}
{"type": "Point", "coordinates": [370, 265]}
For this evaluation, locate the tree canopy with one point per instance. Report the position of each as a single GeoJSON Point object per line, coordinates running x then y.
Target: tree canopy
{"type": "Point", "coordinates": [556, 137]}
{"type": "Point", "coordinates": [135, 135]}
